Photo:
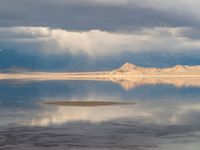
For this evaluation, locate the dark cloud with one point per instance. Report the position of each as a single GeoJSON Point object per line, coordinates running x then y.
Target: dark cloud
{"type": "Point", "coordinates": [191, 33]}
{"type": "Point", "coordinates": [152, 27]}
{"type": "Point", "coordinates": [79, 15]}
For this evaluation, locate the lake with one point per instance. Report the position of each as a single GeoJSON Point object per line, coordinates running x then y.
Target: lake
{"type": "Point", "coordinates": [151, 116]}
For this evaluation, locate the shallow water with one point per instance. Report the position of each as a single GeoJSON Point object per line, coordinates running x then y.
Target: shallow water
{"type": "Point", "coordinates": [163, 116]}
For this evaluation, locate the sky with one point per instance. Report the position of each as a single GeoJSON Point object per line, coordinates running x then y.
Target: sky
{"type": "Point", "coordinates": [71, 35]}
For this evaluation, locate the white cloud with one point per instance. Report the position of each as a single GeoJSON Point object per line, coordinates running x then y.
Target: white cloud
{"type": "Point", "coordinates": [99, 43]}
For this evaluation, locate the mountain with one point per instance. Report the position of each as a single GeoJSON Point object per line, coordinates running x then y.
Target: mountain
{"type": "Point", "coordinates": [131, 69]}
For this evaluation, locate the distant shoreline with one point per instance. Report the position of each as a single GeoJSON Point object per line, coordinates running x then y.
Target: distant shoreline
{"type": "Point", "coordinates": [85, 76]}
{"type": "Point", "coordinates": [126, 71]}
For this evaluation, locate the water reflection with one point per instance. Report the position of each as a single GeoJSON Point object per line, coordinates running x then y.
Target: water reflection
{"type": "Point", "coordinates": [127, 83]}
{"type": "Point", "coordinates": [165, 113]}
{"type": "Point", "coordinates": [130, 83]}
{"type": "Point", "coordinates": [163, 116]}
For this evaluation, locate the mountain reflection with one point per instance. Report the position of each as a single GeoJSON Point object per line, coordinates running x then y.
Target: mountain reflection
{"type": "Point", "coordinates": [127, 83]}
{"type": "Point", "coordinates": [130, 83]}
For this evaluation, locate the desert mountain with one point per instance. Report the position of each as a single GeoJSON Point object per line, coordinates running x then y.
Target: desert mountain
{"type": "Point", "coordinates": [131, 69]}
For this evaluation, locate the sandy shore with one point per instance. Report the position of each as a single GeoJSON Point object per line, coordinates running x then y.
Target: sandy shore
{"type": "Point", "coordinates": [85, 76]}
{"type": "Point", "coordinates": [127, 81]}
{"type": "Point", "coordinates": [51, 76]}
{"type": "Point", "coordinates": [127, 70]}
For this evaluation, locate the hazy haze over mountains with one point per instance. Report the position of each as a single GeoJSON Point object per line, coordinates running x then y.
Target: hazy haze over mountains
{"type": "Point", "coordinates": [66, 62]}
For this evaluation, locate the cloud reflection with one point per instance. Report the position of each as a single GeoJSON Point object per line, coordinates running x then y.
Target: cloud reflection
{"type": "Point", "coordinates": [63, 114]}
{"type": "Point", "coordinates": [170, 113]}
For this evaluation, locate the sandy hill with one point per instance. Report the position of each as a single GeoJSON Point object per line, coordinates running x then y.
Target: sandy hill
{"type": "Point", "coordinates": [129, 69]}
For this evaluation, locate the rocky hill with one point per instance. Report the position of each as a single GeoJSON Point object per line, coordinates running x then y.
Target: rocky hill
{"type": "Point", "coordinates": [128, 69]}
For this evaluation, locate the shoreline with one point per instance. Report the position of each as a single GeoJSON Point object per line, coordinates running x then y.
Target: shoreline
{"type": "Point", "coordinates": [86, 76]}
{"type": "Point", "coordinates": [126, 81]}
{"type": "Point", "coordinates": [126, 71]}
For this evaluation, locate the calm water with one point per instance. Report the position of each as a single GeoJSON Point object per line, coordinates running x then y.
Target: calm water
{"type": "Point", "coordinates": [163, 117]}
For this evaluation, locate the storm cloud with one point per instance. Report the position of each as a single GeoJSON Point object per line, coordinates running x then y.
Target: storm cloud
{"type": "Point", "coordinates": [115, 31]}
{"type": "Point", "coordinates": [99, 14]}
